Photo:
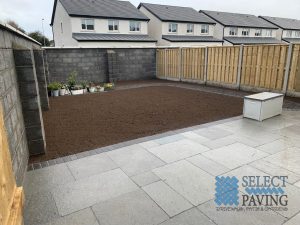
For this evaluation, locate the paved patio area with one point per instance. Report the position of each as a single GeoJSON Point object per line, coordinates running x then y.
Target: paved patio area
{"type": "Point", "coordinates": [169, 179]}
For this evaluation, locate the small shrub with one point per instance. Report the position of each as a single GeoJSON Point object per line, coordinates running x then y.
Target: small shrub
{"type": "Point", "coordinates": [72, 79]}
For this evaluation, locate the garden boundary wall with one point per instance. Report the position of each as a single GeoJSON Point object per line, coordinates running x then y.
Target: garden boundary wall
{"type": "Point", "coordinates": [22, 95]}
{"type": "Point", "coordinates": [250, 68]}
{"type": "Point", "coordinates": [100, 65]}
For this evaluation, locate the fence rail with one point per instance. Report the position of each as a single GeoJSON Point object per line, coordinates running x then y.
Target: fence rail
{"type": "Point", "coordinates": [11, 197]}
{"type": "Point", "coordinates": [257, 67]}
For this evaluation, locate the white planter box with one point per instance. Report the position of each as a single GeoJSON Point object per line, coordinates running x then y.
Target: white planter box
{"type": "Point", "coordinates": [263, 105]}
{"type": "Point", "coordinates": [77, 92]}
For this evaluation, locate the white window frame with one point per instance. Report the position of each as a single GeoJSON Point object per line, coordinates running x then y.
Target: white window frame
{"type": "Point", "coordinates": [269, 33]}
{"type": "Point", "coordinates": [289, 33]}
{"type": "Point", "coordinates": [85, 23]}
{"type": "Point", "coordinates": [136, 25]}
{"type": "Point", "coordinates": [258, 33]}
{"type": "Point", "coordinates": [297, 33]}
{"type": "Point", "coordinates": [172, 26]}
{"type": "Point", "coordinates": [205, 28]}
{"type": "Point", "coordinates": [190, 28]}
{"type": "Point", "coordinates": [245, 32]}
{"type": "Point", "coordinates": [114, 24]}
{"type": "Point", "coordinates": [233, 31]}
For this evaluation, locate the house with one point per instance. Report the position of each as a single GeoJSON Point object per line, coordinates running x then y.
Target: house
{"type": "Point", "coordinates": [236, 29]}
{"type": "Point", "coordinates": [179, 26]}
{"type": "Point", "coordinates": [99, 23]}
{"type": "Point", "coordinates": [289, 29]}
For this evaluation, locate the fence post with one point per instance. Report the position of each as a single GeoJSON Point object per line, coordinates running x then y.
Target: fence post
{"type": "Point", "coordinates": [165, 59]}
{"type": "Point", "coordinates": [205, 65]}
{"type": "Point", "coordinates": [180, 63]}
{"type": "Point", "coordinates": [287, 69]}
{"type": "Point", "coordinates": [238, 81]}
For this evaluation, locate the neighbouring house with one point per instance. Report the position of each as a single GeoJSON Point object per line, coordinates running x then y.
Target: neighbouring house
{"type": "Point", "coordinates": [99, 23]}
{"type": "Point", "coordinates": [179, 26]}
{"type": "Point", "coordinates": [289, 29]}
{"type": "Point", "coordinates": [237, 29]}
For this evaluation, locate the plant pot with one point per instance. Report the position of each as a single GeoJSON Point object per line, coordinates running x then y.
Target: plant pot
{"type": "Point", "coordinates": [55, 93]}
{"type": "Point", "coordinates": [84, 91]}
{"type": "Point", "coordinates": [77, 92]}
{"type": "Point", "coordinates": [62, 92]}
{"type": "Point", "coordinates": [92, 89]}
{"type": "Point", "coordinates": [102, 89]}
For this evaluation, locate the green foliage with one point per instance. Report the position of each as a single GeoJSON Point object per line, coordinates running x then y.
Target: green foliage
{"type": "Point", "coordinates": [72, 79]}
{"type": "Point", "coordinates": [84, 84]}
{"type": "Point", "coordinates": [54, 86]}
{"type": "Point", "coordinates": [38, 36]}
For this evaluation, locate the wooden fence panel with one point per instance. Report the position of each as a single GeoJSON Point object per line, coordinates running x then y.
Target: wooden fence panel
{"type": "Point", "coordinates": [294, 78]}
{"type": "Point", "coordinates": [264, 66]}
{"type": "Point", "coordinates": [222, 64]}
{"type": "Point", "coordinates": [193, 63]}
{"type": "Point", "coordinates": [11, 197]}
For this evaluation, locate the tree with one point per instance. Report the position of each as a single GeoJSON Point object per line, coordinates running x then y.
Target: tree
{"type": "Point", "coordinates": [16, 26]}
{"type": "Point", "coordinates": [38, 36]}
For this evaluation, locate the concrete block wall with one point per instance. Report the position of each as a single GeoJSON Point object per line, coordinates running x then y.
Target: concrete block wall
{"type": "Point", "coordinates": [101, 65]}
{"type": "Point", "coordinates": [10, 100]}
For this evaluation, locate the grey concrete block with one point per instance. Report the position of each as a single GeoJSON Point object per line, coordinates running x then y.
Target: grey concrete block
{"type": "Point", "coordinates": [36, 147]}
{"type": "Point", "coordinates": [22, 57]}
{"type": "Point", "coordinates": [25, 74]}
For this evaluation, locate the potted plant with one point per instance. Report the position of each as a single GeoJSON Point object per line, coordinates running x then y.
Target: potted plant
{"type": "Point", "coordinates": [109, 86]}
{"type": "Point", "coordinates": [54, 87]}
{"type": "Point", "coordinates": [77, 90]}
{"type": "Point", "coordinates": [72, 84]}
{"type": "Point", "coordinates": [84, 86]}
{"type": "Point", "coordinates": [62, 90]}
{"type": "Point", "coordinates": [99, 88]}
{"type": "Point", "coordinates": [92, 87]}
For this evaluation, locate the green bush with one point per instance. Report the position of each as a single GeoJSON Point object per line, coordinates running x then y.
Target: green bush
{"type": "Point", "coordinates": [54, 86]}
{"type": "Point", "coordinates": [72, 79]}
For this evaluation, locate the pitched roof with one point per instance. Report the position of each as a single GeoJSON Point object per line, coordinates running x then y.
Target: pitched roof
{"type": "Point", "coordinates": [186, 38]}
{"type": "Point", "coordinates": [292, 40]}
{"type": "Point", "coordinates": [169, 13]}
{"type": "Point", "coordinates": [112, 37]}
{"type": "Point", "coordinates": [238, 20]}
{"type": "Point", "coordinates": [251, 40]}
{"type": "Point", "coordinates": [101, 9]}
{"type": "Point", "coordinates": [284, 23]}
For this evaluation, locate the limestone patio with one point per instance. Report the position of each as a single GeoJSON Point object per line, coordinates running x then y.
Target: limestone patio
{"type": "Point", "coordinates": [169, 179]}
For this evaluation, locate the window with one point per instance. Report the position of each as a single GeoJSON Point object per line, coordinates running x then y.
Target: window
{"type": "Point", "coordinates": [135, 26]}
{"type": "Point", "coordinates": [269, 33]}
{"type": "Point", "coordinates": [297, 34]}
{"type": "Point", "coordinates": [204, 29]}
{"type": "Point", "coordinates": [289, 33]}
{"type": "Point", "coordinates": [258, 32]}
{"type": "Point", "coordinates": [113, 25]}
{"type": "Point", "coordinates": [233, 31]}
{"type": "Point", "coordinates": [190, 28]}
{"type": "Point", "coordinates": [87, 24]}
{"type": "Point", "coordinates": [173, 27]}
{"type": "Point", "coordinates": [245, 32]}
{"type": "Point", "coordinates": [61, 28]}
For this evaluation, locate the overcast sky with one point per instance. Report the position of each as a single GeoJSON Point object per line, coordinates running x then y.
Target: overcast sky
{"type": "Point", "coordinates": [29, 13]}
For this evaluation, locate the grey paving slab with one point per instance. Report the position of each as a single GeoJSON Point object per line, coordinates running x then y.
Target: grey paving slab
{"type": "Point", "coordinates": [195, 137]}
{"type": "Point", "coordinates": [82, 217]}
{"type": "Point", "coordinates": [208, 165]}
{"type": "Point", "coordinates": [288, 159]}
{"type": "Point", "coordinates": [213, 144]}
{"type": "Point", "coordinates": [190, 217]}
{"type": "Point", "coordinates": [213, 133]}
{"type": "Point", "coordinates": [291, 131]}
{"type": "Point", "coordinates": [178, 150]}
{"type": "Point", "coordinates": [170, 201]}
{"type": "Point", "coordinates": [149, 144]}
{"type": "Point", "coordinates": [135, 160]}
{"type": "Point", "coordinates": [134, 208]}
{"type": "Point", "coordinates": [91, 165]}
{"type": "Point", "coordinates": [234, 155]}
{"type": "Point", "coordinates": [278, 122]}
{"type": "Point", "coordinates": [275, 146]}
{"type": "Point", "coordinates": [40, 209]}
{"type": "Point", "coordinates": [145, 179]}
{"type": "Point", "coordinates": [188, 180]}
{"type": "Point", "coordinates": [46, 179]}
{"type": "Point", "coordinates": [244, 218]}
{"type": "Point", "coordinates": [292, 192]}
{"type": "Point", "coordinates": [169, 139]}
{"type": "Point", "coordinates": [293, 221]}
{"type": "Point", "coordinates": [84, 193]}
{"type": "Point", "coordinates": [274, 170]}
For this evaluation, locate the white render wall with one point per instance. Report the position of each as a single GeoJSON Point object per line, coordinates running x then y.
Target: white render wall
{"type": "Point", "coordinates": [182, 29]}
{"type": "Point", "coordinates": [103, 44]}
{"type": "Point", "coordinates": [284, 34]}
{"type": "Point", "coordinates": [189, 44]}
{"type": "Point", "coordinates": [251, 34]}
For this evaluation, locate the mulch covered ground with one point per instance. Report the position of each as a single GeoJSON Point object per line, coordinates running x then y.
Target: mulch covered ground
{"type": "Point", "coordinates": [79, 123]}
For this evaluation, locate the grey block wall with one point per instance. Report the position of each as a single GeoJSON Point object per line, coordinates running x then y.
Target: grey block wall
{"type": "Point", "coordinates": [11, 101]}
{"type": "Point", "coordinates": [101, 65]}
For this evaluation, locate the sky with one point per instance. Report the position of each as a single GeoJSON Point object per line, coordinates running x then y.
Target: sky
{"type": "Point", "coordinates": [29, 13]}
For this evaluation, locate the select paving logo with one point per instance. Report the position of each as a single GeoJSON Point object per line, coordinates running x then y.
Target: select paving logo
{"type": "Point", "coordinates": [256, 193]}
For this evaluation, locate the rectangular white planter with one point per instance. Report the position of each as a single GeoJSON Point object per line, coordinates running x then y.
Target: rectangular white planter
{"type": "Point", "coordinates": [77, 92]}
{"type": "Point", "coordinates": [263, 105]}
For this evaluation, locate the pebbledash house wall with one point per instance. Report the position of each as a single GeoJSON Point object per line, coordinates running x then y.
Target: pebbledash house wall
{"type": "Point", "coordinates": [100, 64]}
{"type": "Point", "coordinates": [20, 95]}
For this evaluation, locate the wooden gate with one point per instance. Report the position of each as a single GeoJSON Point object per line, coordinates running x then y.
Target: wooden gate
{"type": "Point", "coordinates": [11, 196]}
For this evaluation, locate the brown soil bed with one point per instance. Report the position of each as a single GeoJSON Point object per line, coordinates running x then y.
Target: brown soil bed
{"type": "Point", "coordinates": [78, 123]}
